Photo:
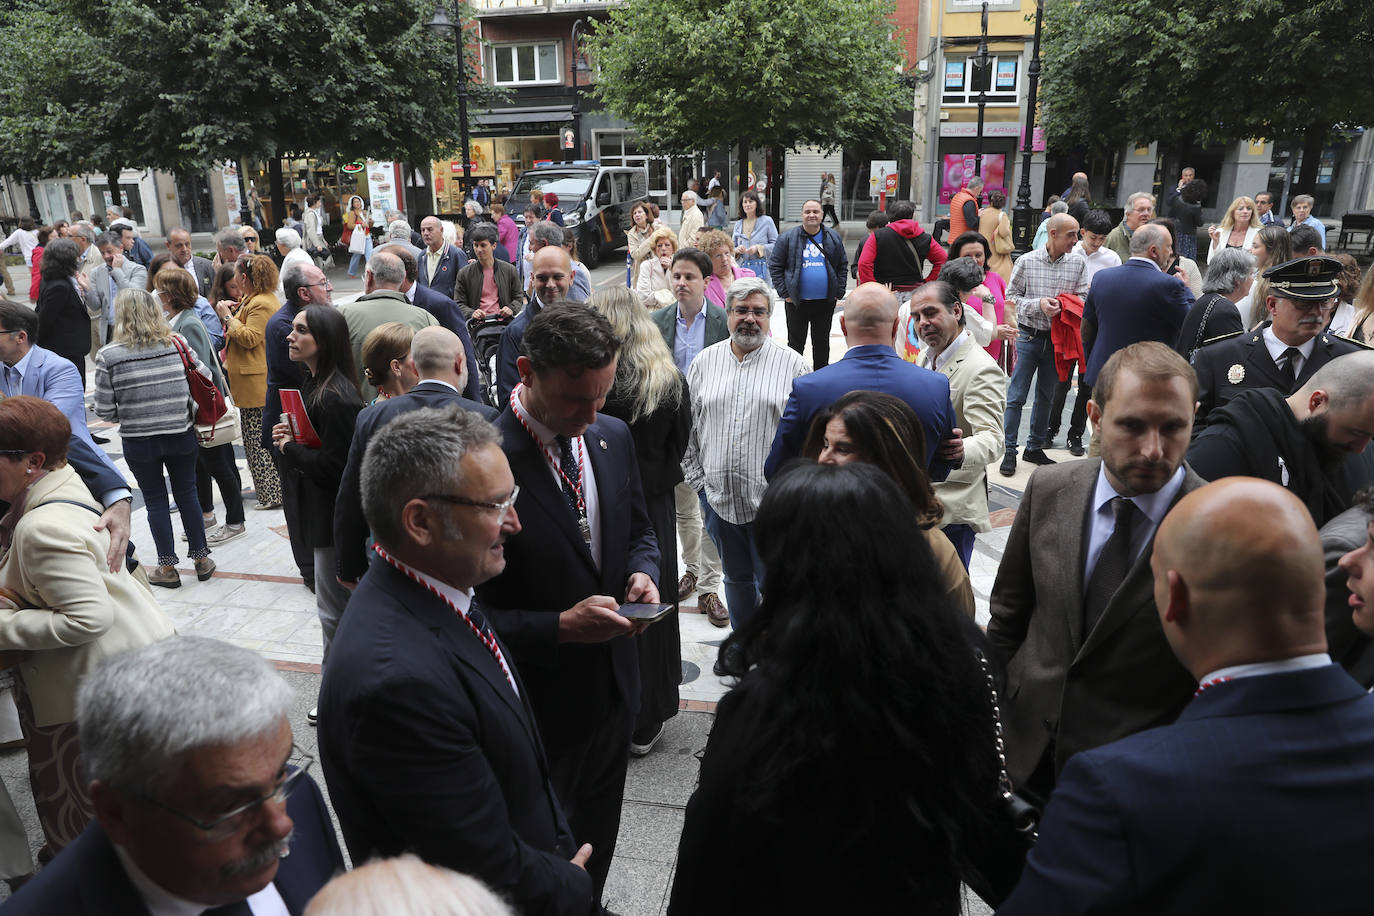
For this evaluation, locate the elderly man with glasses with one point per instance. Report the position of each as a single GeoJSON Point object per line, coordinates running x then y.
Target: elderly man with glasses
{"type": "Point", "coordinates": [427, 735]}
{"type": "Point", "coordinates": [201, 798]}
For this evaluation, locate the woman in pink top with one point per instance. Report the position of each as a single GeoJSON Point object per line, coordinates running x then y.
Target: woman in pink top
{"type": "Point", "coordinates": [975, 245]}
{"type": "Point", "coordinates": [724, 270]}
{"type": "Point", "coordinates": [506, 232]}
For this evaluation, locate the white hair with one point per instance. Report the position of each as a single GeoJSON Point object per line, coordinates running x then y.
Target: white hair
{"type": "Point", "coordinates": [745, 287]}
{"type": "Point", "coordinates": [288, 239]}
{"type": "Point", "coordinates": [406, 885]}
{"type": "Point", "coordinates": [398, 229]}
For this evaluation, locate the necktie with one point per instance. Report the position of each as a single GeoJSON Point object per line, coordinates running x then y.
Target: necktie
{"type": "Point", "coordinates": [1112, 564]}
{"type": "Point", "coordinates": [571, 476]}
{"type": "Point", "coordinates": [1289, 372]}
{"type": "Point", "coordinates": [10, 375]}
{"type": "Point", "coordinates": [230, 909]}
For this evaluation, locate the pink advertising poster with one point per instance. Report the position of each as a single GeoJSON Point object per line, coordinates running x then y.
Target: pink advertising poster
{"type": "Point", "coordinates": [960, 165]}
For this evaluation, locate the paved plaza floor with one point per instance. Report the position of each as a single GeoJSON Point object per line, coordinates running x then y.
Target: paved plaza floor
{"type": "Point", "coordinates": [256, 599]}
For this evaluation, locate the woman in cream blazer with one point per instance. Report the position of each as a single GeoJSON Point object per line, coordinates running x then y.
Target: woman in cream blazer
{"type": "Point", "coordinates": [61, 609]}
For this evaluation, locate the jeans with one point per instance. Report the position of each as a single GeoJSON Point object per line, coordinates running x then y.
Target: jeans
{"type": "Point", "coordinates": [1078, 420]}
{"type": "Point", "coordinates": [740, 559]}
{"type": "Point", "coordinates": [218, 464]}
{"type": "Point", "coordinates": [961, 536]}
{"type": "Point", "coordinates": [1034, 359]}
{"type": "Point", "coordinates": [146, 457]}
{"type": "Point", "coordinates": [698, 550]}
{"type": "Point", "coordinates": [816, 314]}
{"type": "Point", "coordinates": [364, 256]}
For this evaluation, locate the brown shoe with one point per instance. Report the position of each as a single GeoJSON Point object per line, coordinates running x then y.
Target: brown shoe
{"type": "Point", "coordinates": [714, 608]}
{"type": "Point", "coordinates": [165, 576]}
{"type": "Point", "coordinates": [205, 568]}
{"type": "Point", "coordinates": [686, 585]}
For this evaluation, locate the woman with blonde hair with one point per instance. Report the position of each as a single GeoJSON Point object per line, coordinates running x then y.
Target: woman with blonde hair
{"type": "Point", "coordinates": [140, 383]}
{"type": "Point", "coordinates": [245, 363]}
{"type": "Point", "coordinates": [386, 360]}
{"type": "Point", "coordinates": [1272, 246]}
{"type": "Point", "coordinates": [652, 285]}
{"type": "Point", "coordinates": [651, 396]}
{"type": "Point", "coordinates": [1238, 227]}
{"type": "Point", "coordinates": [724, 270]}
{"type": "Point", "coordinates": [1361, 325]}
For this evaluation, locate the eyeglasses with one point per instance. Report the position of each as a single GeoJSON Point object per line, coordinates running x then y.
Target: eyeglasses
{"type": "Point", "coordinates": [1313, 305]}
{"type": "Point", "coordinates": [501, 508]}
{"type": "Point", "coordinates": [325, 283]}
{"type": "Point", "coordinates": [231, 822]}
{"type": "Point", "coordinates": [751, 313]}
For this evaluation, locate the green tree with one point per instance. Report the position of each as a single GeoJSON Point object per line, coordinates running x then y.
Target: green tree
{"type": "Point", "coordinates": [696, 74]}
{"type": "Point", "coordinates": [1127, 71]}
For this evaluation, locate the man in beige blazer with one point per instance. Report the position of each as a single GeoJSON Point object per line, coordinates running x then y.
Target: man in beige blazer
{"type": "Point", "coordinates": [1073, 611]}
{"type": "Point", "coordinates": [978, 391]}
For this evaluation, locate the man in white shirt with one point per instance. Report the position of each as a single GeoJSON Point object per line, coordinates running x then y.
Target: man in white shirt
{"type": "Point", "coordinates": [739, 389]}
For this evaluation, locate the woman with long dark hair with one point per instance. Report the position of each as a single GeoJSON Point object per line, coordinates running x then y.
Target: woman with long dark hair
{"type": "Point", "coordinates": [319, 342]}
{"type": "Point", "coordinates": [650, 395]}
{"type": "Point", "coordinates": [875, 428]}
{"type": "Point", "coordinates": [64, 325]}
{"type": "Point", "coordinates": [852, 768]}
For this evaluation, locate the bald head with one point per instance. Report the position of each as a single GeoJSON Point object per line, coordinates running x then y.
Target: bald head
{"type": "Point", "coordinates": [1063, 232]}
{"type": "Point", "coordinates": [870, 316]}
{"type": "Point", "coordinates": [438, 354]}
{"type": "Point", "coordinates": [552, 273]}
{"type": "Point", "coordinates": [1230, 592]}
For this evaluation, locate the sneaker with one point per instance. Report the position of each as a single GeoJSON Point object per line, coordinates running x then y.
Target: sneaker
{"type": "Point", "coordinates": [1037, 456]}
{"type": "Point", "coordinates": [165, 576]}
{"type": "Point", "coordinates": [313, 716]}
{"type": "Point", "coordinates": [686, 585]}
{"type": "Point", "coordinates": [1008, 467]}
{"type": "Point", "coordinates": [208, 520]}
{"type": "Point", "coordinates": [225, 532]}
{"type": "Point", "coordinates": [1076, 448]}
{"type": "Point", "coordinates": [205, 568]}
{"type": "Point", "coordinates": [715, 609]}
{"type": "Point", "coordinates": [644, 739]}
{"type": "Point", "coordinates": [264, 507]}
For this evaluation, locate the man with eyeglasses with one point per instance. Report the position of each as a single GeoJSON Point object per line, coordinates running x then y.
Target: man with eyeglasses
{"type": "Point", "coordinates": [427, 727]}
{"type": "Point", "coordinates": [1285, 351]}
{"type": "Point", "coordinates": [202, 801]}
{"type": "Point", "coordinates": [551, 280]}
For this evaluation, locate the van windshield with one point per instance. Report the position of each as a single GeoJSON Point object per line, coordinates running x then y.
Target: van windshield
{"type": "Point", "coordinates": [570, 187]}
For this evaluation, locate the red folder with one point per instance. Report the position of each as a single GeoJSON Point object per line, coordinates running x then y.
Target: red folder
{"type": "Point", "coordinates": [293, 406]}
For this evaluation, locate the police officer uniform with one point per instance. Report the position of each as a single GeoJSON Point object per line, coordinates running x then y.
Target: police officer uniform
{"type": "Point", "coordinates": [1233, 363]}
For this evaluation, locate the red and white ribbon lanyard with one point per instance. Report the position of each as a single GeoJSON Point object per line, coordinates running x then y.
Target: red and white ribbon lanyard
{"type": "Point", "coordinates": [575, 486]}
{"type": "Point", "coordinates": [488, 639]}
{"type": "Point", "coordinates": [1210, 683]}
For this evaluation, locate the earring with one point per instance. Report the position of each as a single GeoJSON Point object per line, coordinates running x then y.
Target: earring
{"type": "Point", "coordinates": [28, 471]}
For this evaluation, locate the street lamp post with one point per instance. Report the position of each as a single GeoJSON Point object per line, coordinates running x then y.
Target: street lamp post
{"type": "Point", "coordinates": [577, 27]}
{"type": "Point", "coordinates": [981, 78]}
{"type": "Point", "coordinates": [440, 24]}
{"type": "Point", "coordinates": [1022, 216]}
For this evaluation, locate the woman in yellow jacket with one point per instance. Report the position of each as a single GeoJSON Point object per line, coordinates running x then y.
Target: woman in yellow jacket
{"type": "Point", "coordinates": [245, 365]}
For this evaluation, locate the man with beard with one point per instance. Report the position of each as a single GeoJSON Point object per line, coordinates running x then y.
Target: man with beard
{"type": "Point", "coordinates": [202, 802]}
{"type": "Point", "coordinates": [1283, 352]}
{"type": "Point", "coordinates": [1073, 620]}
{"type": "Point", "coordinates": [1299, 442]}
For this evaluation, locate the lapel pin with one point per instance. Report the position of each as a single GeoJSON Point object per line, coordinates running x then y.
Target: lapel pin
{"type": "Point", "coordinates": [602, 442]}
{"type": "Point", "coordinates": [1236, 374]}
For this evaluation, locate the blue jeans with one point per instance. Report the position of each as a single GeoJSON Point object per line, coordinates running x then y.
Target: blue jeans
{"type": "Point", "coordinates": [146, 457]}
{"type": "Point", "coordinates": [962, 537]}
{"type": "Point", "coordinates": [739, 558]}
{"type": "Point", "coordinates": [364, 256]}
{"type": "Point", "coordinates": [1034, 359]}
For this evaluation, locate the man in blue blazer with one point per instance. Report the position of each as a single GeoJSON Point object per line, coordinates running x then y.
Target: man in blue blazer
{"type": "Point", "coordinates": [1257, 799]}
{"type": "Point", "coordinates": [587, 546]}
{"type": "Point", "coordinates": [202, 800]}
{"type": "Point", "coordinates": [427, 731]}
{"type": "Point", "coordinates": [438, 263]}
{"type": "Point", "coordinates": [1134, 302]}
{"type": "Point", "coordinates": [40, 373]}
{"type": "Point", "coordinates": [439, 362]}
{"type": "Point", "coordinates": [869, 324]}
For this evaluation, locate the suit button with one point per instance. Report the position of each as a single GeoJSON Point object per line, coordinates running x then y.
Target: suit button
{"type": "Point", "coordinates": [1049, 726]}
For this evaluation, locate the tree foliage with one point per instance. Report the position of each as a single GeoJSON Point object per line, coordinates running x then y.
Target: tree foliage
{"type": "Point", "coordinates": [696, 74]}
{"type": "Point", "coordinates": [181, 84]}
{"type": "Point", "coordinates": [1126, 71]}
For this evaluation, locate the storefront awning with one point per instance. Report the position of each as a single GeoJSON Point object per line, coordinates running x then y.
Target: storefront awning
{"type": "Point", "coordinates": [503, 119]}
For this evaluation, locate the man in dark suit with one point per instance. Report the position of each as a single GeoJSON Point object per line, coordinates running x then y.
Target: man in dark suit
{"type": "Point", "coordinates": [587, 546]}
{"type": "Point", "coordinates": [201, 798]}
{"type": "Point", "coordinates": [438, 263]}
{"type": "Point", "coordinates": [1073, 616]}
{"type": "Point", "coordinates": [179, 245]}
{"type": "Point", "coordinates": [1283, 352]}
{"type": "Point", "coordinates": [426, 728]}
{"type": "Point", "coordinates": [1134, 302]}
{"type": "Point", "coordinates": [869, 324]}
{"type": "Point", "coordinates": [551, 278]}
{"type": "Point", "coordinates": [1257, 799]}
{"type": "Point", "coordinates": [444, 310]}
{"type": "Point", "coordinates": [34, 371]}
{"type": "Point", "coordinates": [440, 362]}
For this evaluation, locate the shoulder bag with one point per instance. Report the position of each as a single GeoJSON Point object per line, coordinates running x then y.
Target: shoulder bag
{"type": "Point", "coordinates": [210, 405]}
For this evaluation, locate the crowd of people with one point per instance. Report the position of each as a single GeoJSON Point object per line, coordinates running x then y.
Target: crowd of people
{"type": "Point", "coordinates": [489, 470]}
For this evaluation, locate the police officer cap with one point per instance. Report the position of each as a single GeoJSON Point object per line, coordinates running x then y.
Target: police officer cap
{"type": "Point", "coordinates": [1312, 277]}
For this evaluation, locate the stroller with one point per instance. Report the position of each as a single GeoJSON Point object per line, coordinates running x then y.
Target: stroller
{"type": "Point", "coordinates": [486, 331]}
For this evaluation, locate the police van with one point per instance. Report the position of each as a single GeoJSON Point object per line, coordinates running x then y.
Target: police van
{"type": "Point", "coordinates": [595, 200]}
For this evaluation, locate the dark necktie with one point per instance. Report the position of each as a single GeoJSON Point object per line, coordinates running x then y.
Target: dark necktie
{"type": "Point", "coordinates": [1289, 372]}
{"type": "Point", "coordinates": [571, 477]}
{"type": "Point", "coordinates": [230, 909]}
{"type": "Point", "coordinates": [1112, 564]}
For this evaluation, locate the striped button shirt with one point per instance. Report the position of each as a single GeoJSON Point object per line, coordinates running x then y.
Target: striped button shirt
{"type": "Point", "coordinates": [1036, 277]}
{"type": "Point", "coordinates": [736, 407]}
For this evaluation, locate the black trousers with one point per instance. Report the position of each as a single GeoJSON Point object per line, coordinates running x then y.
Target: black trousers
{"type": "Point", "coordinates": [1078, 420]}
{"type": "Point", "coordinates": [829, 210]}
{"type": "Point", "coordinates": [301, 548]}
{"type": "Point", "coordinates": [218, 464]}
{"type": "Point", "coordinates": [589, 776]}
{"type": "Point", "coordinates": [817, 315]}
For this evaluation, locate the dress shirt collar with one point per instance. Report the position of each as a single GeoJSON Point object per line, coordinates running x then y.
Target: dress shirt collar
{"type": "Point", "coordinates": [459, 598]}
{"type": "Point", "coordinates": [545, 435]}
{"type": "Point", "coordinates": [946, 354]}
{"type": "Point", "coordinates": [1145, 260]}
{"type": "Point", "coordinates": [1276, 346]}
{"type": "Point", "coordinates": [161, 902]}
{"type": "Point", "coordinates": [435, 381]}
{"type": "Point", "coordinates": [410, 293]}
{"type": "Point", "coordinates": [1254, 669]}
{"type": "Point", "coordinates": [700, 315]}
{"type": "Point", "coordinates": [1154, 505]}
{"type": "Point", "coordinates": [22, 367]}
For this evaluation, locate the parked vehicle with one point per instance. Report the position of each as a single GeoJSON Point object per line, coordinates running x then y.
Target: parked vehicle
{"type": "Point", "coordinates": [595, 200]}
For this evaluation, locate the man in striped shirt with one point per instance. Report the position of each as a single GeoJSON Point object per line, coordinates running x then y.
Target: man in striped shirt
{"type": "Point", "coordinates": [739, 389]}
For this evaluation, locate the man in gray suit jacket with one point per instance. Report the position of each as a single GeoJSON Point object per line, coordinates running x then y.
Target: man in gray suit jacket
{"type": "Point", "coordinates": [116, 273]}
{"type": "Point", "coordinates": [179, 244]}
{"type": "Point", "coordinates": [1073, 612]}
